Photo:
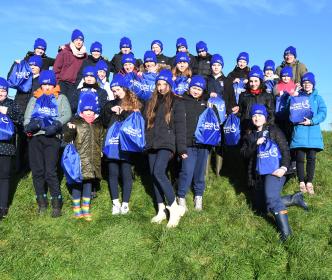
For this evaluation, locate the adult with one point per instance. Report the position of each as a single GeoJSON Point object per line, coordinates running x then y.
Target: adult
{"type": "Point", "coordinates": [202, 64]}
{"type": "Point", "coordinates": [157, 47]}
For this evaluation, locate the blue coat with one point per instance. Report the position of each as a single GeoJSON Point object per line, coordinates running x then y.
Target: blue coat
{"type": "Point", "coordinates": [310, 136]}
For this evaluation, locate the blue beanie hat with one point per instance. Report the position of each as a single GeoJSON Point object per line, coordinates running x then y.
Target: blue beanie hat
{"type": "Point", "coordinates": [290, 50]}
{"type": "Point", "coordinates": [36, 60]}
{"type": "Point", "coordinates": [47, 77]}
{"type": "Point", "coordinates": [128, 58]}
{"type": "Point", "coordinates": [77, 34]}
{"type": "Point", "coordinates": [286, 71]}
{"type": "Point", "coordinates": [308, 77]}
{"type": "Point", "coordinates": [150, 56]}
{"type": "Point", "coordinates": [256, 72]}
{"type": "Point", "coordinates": [201, 47]}
{"type": "Point", "coordinates": [101, 65]}
{"type": "Point", "coordinates": [181, 42]}
{"type": "Point", "coordinates": [96, 47]}
{"type": "Point", "coordinates": [40, 44]}
{"type": "Point", "coordinates": [269, 65]}
{"type": "Point", "coordinates": [217, 58]}
{"type": "Point", "coordinates": [197, 81]}
{"type": "Point", "coordinates": [88, 101]}
{"type": "Point", "coordinates": [89, 71]}
{"type": "Point", "coordinates": [243, 56]}
{"type": "Point", "coordinates": [118, 81]}
{"type": "Point", "coordinates": [258, 109]}
{"type": "Point", "coordinates": [125, 42]}
{"type": "Point", "coordinates": [166, 75]}
{"type": "Point", "coordinates": [159, 43]}
{"type": "Point", "coordinates": [182, 57]}
{"type": "Point", "coordinates": [3, 84]}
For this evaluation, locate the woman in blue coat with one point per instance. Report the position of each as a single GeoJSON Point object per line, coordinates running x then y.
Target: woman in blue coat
{"type": "Point", "coordinates": [307, 137]}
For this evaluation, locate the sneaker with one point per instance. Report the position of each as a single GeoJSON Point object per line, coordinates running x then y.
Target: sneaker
{"type": "Point", "coordinates": [182, 202]}
{"type": "Point", "coordinates": [116, 208]}
{"type": "Point", "coordinates": [303, 187]}
{"type": "Point", "coordinates": [124, 208]}
{"type": "Point", "coordinates": [310, 188]}
{"type": "Point", "coordinates": [198, 202]}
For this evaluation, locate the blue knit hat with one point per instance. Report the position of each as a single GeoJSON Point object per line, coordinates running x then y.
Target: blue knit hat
{"type": "Point", "coordinates": [125, 42]}
{"type": "Point", "coordinates": [89, 71]}
{"type": "Point", "coordinates": [128, 58]}
{"type": "Point", "coordinates": [166, 75]}
{"type": "Point", "coordinates": [243, 56]}
{"type": "Point", "coordinates": [217, 58]}
{"type": "Point", "coordinates": [40, 44]}
{"type": "Point", "coordinates": [96, 47]}
{"type": "Point", "coordinates": [256, 72]}
{"type": "Point", "coordinates": [150, 56]}
{"type": "Point", "coordinates": [258, 109]}
{"type": "Point", "coordinates": [181, 42]}
{"type": "Point", "coordinates": [287, 71]}
{"type": "Point", "coordinates": [197, 81]}
{"type": "Point", "coordinates": [36, 60]}
{"type": "Point", "coordinates": [310, 77]}
{"type": "Point", "coordinates": [269, 65]}
{"type": "Point", "coordinates": [3, 84]}
{"type": "Point", "coordinates": [47, 77]}
{"type": "Point", "coordinates": [290, 50]}
{"type": "Point", "coordinates": [77, 34]}
{"type": "Point", "coordinates": [88, 101]}
{"type": "Point", "coordinates": [182, 57]}
{"type": "Point", "coordinates": [159, 43]}
{"type": "Point", "coordinates": [201, 47]}
{"type": "Point", "coordinates": [118, 81]}
{"type": "Point", "coordinates": [102, 65]}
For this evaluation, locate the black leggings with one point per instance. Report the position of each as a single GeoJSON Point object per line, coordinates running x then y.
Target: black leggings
{"type": "Point", "coordinates": [301, 154]}
{"type": "Point", "coordinates": [5, 171]}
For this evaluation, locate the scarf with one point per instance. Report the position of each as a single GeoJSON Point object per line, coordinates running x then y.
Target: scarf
{"type": "Point", "coordinates": [255, 91]}
{"type": "Point", "coordinates": [39, 92]}
{"type": "Point", "coordinates": [78, 53]}
{"type": "Point", "coordinates": [88, 119]}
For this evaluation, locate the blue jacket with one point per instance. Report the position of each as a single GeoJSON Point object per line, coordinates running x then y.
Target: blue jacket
{"type": "Point", "coordinates": [310, 136]}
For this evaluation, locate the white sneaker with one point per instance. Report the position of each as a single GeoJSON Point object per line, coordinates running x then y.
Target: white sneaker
{"type": "Point", "coordinates": [116, 208]}
{"type": "Point", "coordinates": [161, 215]}
{"type": "Point", "coordinates": [198, 202]}
{"type": "Point", "coordinates": [175, 214]}
{"type": "Point", "coordinates": [124, 208]}
{"type": "Point", "coordinates": [182, 202]}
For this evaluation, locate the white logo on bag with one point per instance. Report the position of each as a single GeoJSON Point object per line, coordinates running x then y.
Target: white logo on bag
{"type": "Point", "coordinates": [113, 140]}
{"type": "Point", "coordinates": [4, 120]}
{"type": "Point", "coordinates": [211, 126]}
{"type": "Point", "coordinates": [133, 132]}
{"type": "Point", "coordinates": [182, 87]}
{"type": "Point", "coordinates": [270, 153]}
{"type": "Point", "coordinates": [24, 75]}
{"type": "Point", "coordinates": [230, 129]}
{"type": "Point", "coordinates": [47, 111]}
{"type": "Point", "coordinates": [300, 105]}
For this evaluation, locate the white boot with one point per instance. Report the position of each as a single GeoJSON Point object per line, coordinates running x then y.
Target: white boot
{"type": "Point", "coordinates": [198, 202]}
{"type": "Point", "coordinates": [116, 208]}
{"type": "Point", "coordinates": [182, 202]}
{"type": "Point", "coordinates": [175, 214]}
{"type": "Point", "coordinates": [161, 215]}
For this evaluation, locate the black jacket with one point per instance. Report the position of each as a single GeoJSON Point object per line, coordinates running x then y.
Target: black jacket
{"type": "Point", "coordinates": [163, 136]}
{"type": "Point", "coordinates": [22, 98]}
{"type": "Point", "coordinates": [163, 59]}
{"type": "Point", "coordinates": [238, 73]}
{"type": "Point", "coordinates": [116, 65]}
{"type": "Point", "coordinates": [202, 66]}
{"type": "Point", "coordinates": [249, 151]}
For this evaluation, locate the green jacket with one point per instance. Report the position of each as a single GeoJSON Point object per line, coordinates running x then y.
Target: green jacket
{"type": "Point", "coordinates": [298, 70]}
{"type": "Point", "coordinates": [88, 140]}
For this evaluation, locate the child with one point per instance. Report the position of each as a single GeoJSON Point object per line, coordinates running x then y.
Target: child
{"type": "Point", "coordinates": [270, 78]}
{"type": "Point", "coordinates": [307, 137]}
{"type": "Point", "coordinates": [182, 46]}
{"type": "Point", "coordinates": [202, 60]}
{"type": "Point", "coordinates": [119, 109]}
{"type": "Point", "coordinates": [102, 70]}
{"type": "Point", "coordinates": [157, 48]}
{"type": "Point", "coordinates": [165, 135]}
{"type": "Point", "coordinates": [46, 112]}
{"type": "Point", "coordinates": [181, 73]}
{"type": "Point", "coordinates": [86, 131]}
{"type": "Point", "coordinates": [9, 108]}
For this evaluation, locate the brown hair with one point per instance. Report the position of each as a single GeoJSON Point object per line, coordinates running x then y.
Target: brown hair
{"type": "Point", "coordinates": [130, 101]}
{"type": "Point", "coordinates": [188, 73]}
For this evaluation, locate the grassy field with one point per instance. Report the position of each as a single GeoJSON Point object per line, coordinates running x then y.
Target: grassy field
{"type": "Point", "coordinates": [225, 241]}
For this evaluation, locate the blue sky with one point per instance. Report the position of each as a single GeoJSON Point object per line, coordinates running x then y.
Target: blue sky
{"type": "Point", "coordinates": [262, 28]}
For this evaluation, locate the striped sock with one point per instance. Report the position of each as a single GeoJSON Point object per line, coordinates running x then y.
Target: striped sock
{"type": "Point", "coordinates": [77, 208]}
{"type": "Point", "coordinates": [86, 208]}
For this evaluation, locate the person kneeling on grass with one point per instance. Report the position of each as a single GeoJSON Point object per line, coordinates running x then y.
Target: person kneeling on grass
{"type": "Point", "coordinates": [86, 130]}
{"type": "Point", "coordinates": [273, 182]}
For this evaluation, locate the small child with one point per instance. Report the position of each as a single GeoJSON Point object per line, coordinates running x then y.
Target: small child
{"type": "Point", "coordinates": [270, 78]}
{"type": "Point", "coordinates": [86, 131]}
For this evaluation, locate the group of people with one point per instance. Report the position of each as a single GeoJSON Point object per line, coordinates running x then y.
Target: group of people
{"type": "Point", "coordinates": [75, 102]}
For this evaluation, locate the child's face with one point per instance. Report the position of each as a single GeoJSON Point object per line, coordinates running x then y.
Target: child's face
{"type": "Point", "coordinates": [90, 80]}
{"type": "Point", "coordinates": [47, 87]}
{"type": "Point", "coordinates": [254, 83]}
{"type": "Point", "coordinates": [242, 64]}
{"type": "Point", "coordinates": [88, 113]}
{"type": "Point", "coordinates": [216, 68]}
{"type": "Point", "coordinates": [101, 74]}
{"type": "Point", "coordinates": [195, 92]}
{"type": "Point", "coordinates": [3, 94]}
{"type": "Point", "coordinates": [78, 43]}
{"type": "Point", "coordinates": [125, 50]}
{"type": "Point", "coordinates": [96, 55]}
{"type": "Point", "coordinates": [156, 49]}
{"type": "Point", "coordinates": [39, 51]}
{"type": "Point", "coordinates": [128, 67]}
{"type": "Point", "coordinates": [35, 69]}
{"type": "Point", "coordinates": [162, 87]}
{"type": "Point", "coordinates": [285, 79]}
{"type": "Point", "coordinates": [289, 58]}
{"type": "Point", "coordinates": [182, 49]}
{"type": "Point", "coordinates": [182, 66]}
{"type": "Point", "coordinates": [307, 86]}
{"type": "Point", "coordinates": [150, 66]}
{"type": "Point", "coordinates": [268, 73]}
{"type": "Point", "coordinates": [118, 92]}
{"type": "Point", "coordinates": [258, 120]}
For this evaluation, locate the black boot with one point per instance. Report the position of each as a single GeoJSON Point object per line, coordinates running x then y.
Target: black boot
{"type": "Point", "coordinates": [295, 199]}
{"type": "Point", "coordinates": [56, 205]}
{"type": "Point", "coordinates": [3, 213]}
{"type": "Point", "coordinates": [42, 203]}
{"type": "Point", "coordinates": [281, 219]}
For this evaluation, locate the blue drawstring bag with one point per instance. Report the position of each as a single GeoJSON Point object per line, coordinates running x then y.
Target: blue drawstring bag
{"type": "Point", "coordinates": [112, 144]}
{"type": "Point", "coordinates": [181, 85]}
{"type": "Point", "coordinates": [132, 138]}
{"type": "Point", "coordinates": [281, 112]}
{"type": "Point", "coordinates": [71, 165]}
{"type": "Point", "coordinates": [232, 130]}
{"type": "Point", "coordinates": [238, 89]}
{"type": "Point", "coordinates": [208, 128]}
{"type": "Point", "coordinates": [46, 109]}
{"type": "Point", "coordinates": [268, 157]}
{"type": "Point", "coordinates": [220, 105]}
{"type": "Point", "coordinates": [20, 77]}
{"type": "Point", "coordinates": [7, 128]}
{"type": "Point", "coordinates": [144, 86]}
{"type": "Point", "coordinates": [130, 79]}
{"type": "Point", "coordinates": [269, 85]}
{"type": "Point", "coordinates": [299, 109]}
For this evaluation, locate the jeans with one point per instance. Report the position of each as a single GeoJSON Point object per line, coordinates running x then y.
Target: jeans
{"type": "Point", "coordinates": [272, 187]}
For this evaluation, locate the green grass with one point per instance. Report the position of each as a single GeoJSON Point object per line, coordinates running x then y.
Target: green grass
{"type": "Point", "coordinates": [225, 241]}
